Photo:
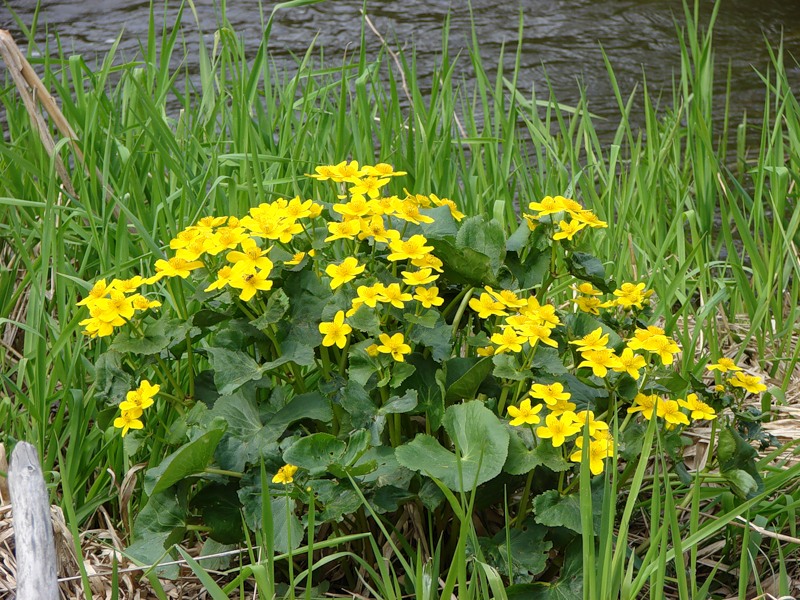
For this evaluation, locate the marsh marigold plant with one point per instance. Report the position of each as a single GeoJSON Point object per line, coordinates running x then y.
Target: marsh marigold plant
{"type": "Point", "coordinates": [379, 337]}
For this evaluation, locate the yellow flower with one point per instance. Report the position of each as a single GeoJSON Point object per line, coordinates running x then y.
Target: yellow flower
{"type": "Point", "coordinates": [250, 258]}
{"type": "Point", "coordinates": [413, 248]}
{"type": "Point", "coordinates": [548, 205]}
{"type": "Point", "coordinates": [749, 382]}
{"type": "Point", "coordinates": [454, 212]}
{"type": "Point", "coordinates": [394, 345]}
{"type": "Point", "coordinates": [700, 410]}
{"type": "Point", "coordinates": [140, 302]}
{"type": "Point", "coordinates": [296, 259]}
{"type": "Point", "coordinates": [595, 426]}
{"type": "Point", "coordinates": [174, 267]}
{"type": "Point", "coordinates": [129, 419]}
{"type": "Point", "coordinates": [117, 306]}
{"type": "Point", "coordinates": [367, 294]}
{"type": "Point", "coordinates": [508, 298]}
{"type": "Point", "coordinates": [558, 428]}
{"type": "Point", "coordinates": [587, 289]}
{"type": "Point", "coordinates": [99, 290]}
{"type": "Point", "coordinates": [141, 397]}
{"type": "Point", "coordinates": [551, 394]}
{"type": "Point", "coordinates": [370, 185]}
{"type": "Point", "coordinates": [428, 297]}
{"type": "Point", "coordinates": [640, 336]}
{"type": "Point", "coordinates": [285, 474]}
{"type": "Point", "coordinates": [595, 340]}
{"type": "Point", "coordinates": [599, 361]}
{"type": "Point", "coordinates": [376, 229]}
{"type": "Point", "coordinates": [525, 414]}
{"type": "Point", "coordinates": [599, 450]}
{"type": "Point", "coordinates": [663, 346]}
{"type": "Point", "coordinates": [588, 217]}
{"type": "Point", "coordinates": [250, 283]}
{"type": "Point", "coordinates": [487, 306]}
{"type": "Point", "coordinates": [394, 295]}
{"type": "Point", "coordinates": [126, 286]}
{"type": "Point", "coordinates": [224, 276]}
{"type": "Point", "coordinates": [225, 238]}
{"type": "Point", "coordinates": [568, 230]}
{"type": "Point", "coordinates": [630, 363]}
{"type": "Point", "coordinates": [629, 295]}
{"type": "Point", "coordinates": [356, 207]}
{"type": "Point", "coordinates": [408, 210]}
{"type": "Point", "coordinates": [561, 406]}
{"type": "Point", "coordinates": [323, 173]}
{"type": "Point", "coordinates": [344, 271]}
{"type": "Point", "coordinates": [723, 365]}
{"type": "Point", "coordinates": [382, 170]}
{"type": "Point", "coordinates": [670, 411]}
{"type": "Point", "coordinates": [343, 230]}
{"type": "Point", "coordinates": [420, 277]}
{"type": "Point", "coordinates": [372, 350]}
{"type": "Point", "coordinates": [647, 405]}
{"type": "Point", "coordinates": [507, 340]}
{"type": "Point", "coordinates": [588, 304]}
{"type": "Point", "coordinates": [429, 260]}
{"type": "Point", "coordinates": [335, 331]}
{"type": "Point", "coordinates": [299, 209]}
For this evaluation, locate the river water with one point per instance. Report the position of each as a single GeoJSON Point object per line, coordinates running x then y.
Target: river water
{"type": "Point", "coordinates": [561, 39]}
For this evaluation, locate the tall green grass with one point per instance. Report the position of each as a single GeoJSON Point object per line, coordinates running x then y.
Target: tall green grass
{"type": "Point", "coordinates": [706, 218]}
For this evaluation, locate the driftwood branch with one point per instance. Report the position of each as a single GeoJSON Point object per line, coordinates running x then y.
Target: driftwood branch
{"type": "Point", "coordinates": [33, 531]}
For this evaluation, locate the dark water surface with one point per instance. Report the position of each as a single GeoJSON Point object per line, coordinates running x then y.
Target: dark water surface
{"type": "Point", "coordinates": [561, 37]}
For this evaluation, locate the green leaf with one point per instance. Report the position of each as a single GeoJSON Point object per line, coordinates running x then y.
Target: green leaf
{"type": "Point", "coordinates": [111, 381]}
{"type": "Point", "coordinates": [743, 483]}
{"type": "Point", "coordinates": [737, 459]}
{"type": "Point", "coordinates": [294, 351]}
{"type": "Point", "coordinates": [525, 546]}
{"type": "Point", "coordinates": [522, 458]}
{"type": "Point", "coordinates": [188, 460]}
{"type": "Point", "coordinates": [444, 225]}
{"type": "Point", "coordinates": [507, 366]}
{"type": "Point", "coordinates": [157, 336]}
{"type": "Point", "coordinates": [277, 305]}
{"type": "Point", "coordinates": [465, 375]}
{"type": "Point", "coordinates": [287, 529]}
{"type": "Point", "coordinates": [400, 404]}
{"type": "Point", "coordinates": [546, 360]}
{"type": "Point", "coordinates": [464, 265]}
{"type": "Point", "coordinates": [569, 585]}
{"type": "Point", "coordinates": [365, 320]}
{"type": "Point", "coordinates": [485, 237]}
{"type": "Point", "coordinates": [232, 369]}
{"type": "Point", "coordinates": [315, 452]}
{"type": "Point", "coordinates": [529, 272]}
{"type": "Point", "coordinates": [481, 441]}
{"type": "Point", "coordinates": [589, 268]}
{"type": "Point", "coordinates": [310, 406]}
{"type": "Point", "coordinates": [400, 372]}
{"type": "Point", "coordinates": [554, 510]}
{"type": "Point", "coordinates": [221, 511]}
{"type": "Point", "coordinates": [357, 402]}
{"type": "Point", "coordinates": [519, 239]}
{"type": "Point", "coordinates": [437, 337]}
{"type": "Point", "coordinates": [361, 365]}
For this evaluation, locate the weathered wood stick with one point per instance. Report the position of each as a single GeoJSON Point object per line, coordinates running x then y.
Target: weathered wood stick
{"type": "Point", "coordinates": [33, 530]}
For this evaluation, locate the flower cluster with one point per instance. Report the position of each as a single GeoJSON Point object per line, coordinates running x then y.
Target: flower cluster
{"type": "Point", "coordinates": [113, 304]}
{"type": "Point", "coordinates": [562, 422]}
{"type": "Point", "coordinates": [131, 409]}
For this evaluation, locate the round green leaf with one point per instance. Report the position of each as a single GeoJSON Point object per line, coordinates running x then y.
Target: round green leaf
{"type": "Point", "coordinates": [481, 443]}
